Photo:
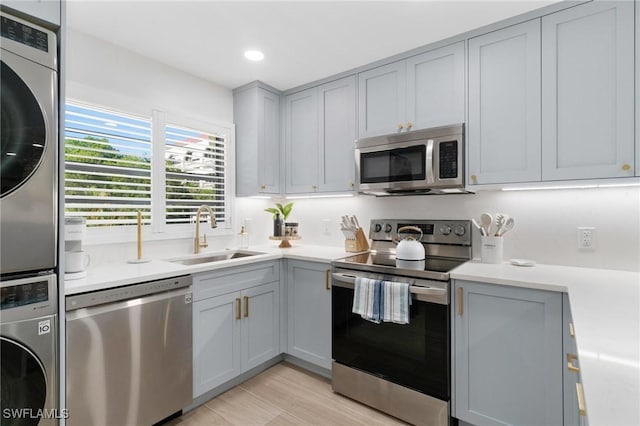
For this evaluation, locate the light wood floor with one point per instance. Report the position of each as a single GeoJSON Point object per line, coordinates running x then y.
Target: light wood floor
{"type": "Point", "coordinates": [283, 395]}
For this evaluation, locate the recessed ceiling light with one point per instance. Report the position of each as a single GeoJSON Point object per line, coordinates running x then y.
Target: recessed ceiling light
{"type": "Point", "coordinates": [254, 55]}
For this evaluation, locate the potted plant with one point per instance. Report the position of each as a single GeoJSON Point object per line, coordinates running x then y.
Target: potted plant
{"type": "Point", "coordinates": [280, 227]}
{"type": "Point", "coordinates": [284, 211]}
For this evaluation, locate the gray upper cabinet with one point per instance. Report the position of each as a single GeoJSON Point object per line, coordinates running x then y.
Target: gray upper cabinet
{"type": "Point", "coordinates": [587, 96]}
{"type": "Point", "coordinates": [319, 138]}
{"type": "Point", "coordinates": [435, 87]}
{"type": "Point", "coordinates": [507, 355]}
{"type": "Point", "coordinates": [301, 142]}
{"type": "Point", "coordinates": [382, 100]}
{"type": "Point", "coordinates": [45, 10]}
{"type": "Point", "coordinates": [504, 128]}
{"type": "Point", "coordinates": [423, 91]}
{"type": "Point", "coordinates": [337, 134]}
{"type": "Point", "coordinates": [256, 111]}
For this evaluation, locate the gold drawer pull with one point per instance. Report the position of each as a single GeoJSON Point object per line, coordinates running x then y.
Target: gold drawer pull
{"type": "Point", "coordinates": [460, 290]}
{"type": "Point", "coordinates": [246, 306]}
{"type": "Point", "coordinates": [327, 274]}
{"type": "Point", "coordinates": [626, 167]}
{"type": "Point", "coordinates": [238, 309]}
{"type": "Point", "coordinates": [582, 409]}
{"type": "Point", "coordinates": [570, 365]}
{"type": "Point", "coordinates": [572, 331]}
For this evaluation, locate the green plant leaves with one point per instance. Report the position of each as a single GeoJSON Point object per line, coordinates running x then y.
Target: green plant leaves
{"type": "Point", "coordinates": [285, 210]}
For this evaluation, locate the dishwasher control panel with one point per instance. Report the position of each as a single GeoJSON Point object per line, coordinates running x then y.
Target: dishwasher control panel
{"type": "Point", "coordinates": [128, 292]}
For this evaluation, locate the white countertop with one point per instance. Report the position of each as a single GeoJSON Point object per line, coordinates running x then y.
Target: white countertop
{"type": "Point", "coordinates": [605, 306]}
{"type": "Point", "coordinates": [116, 275]}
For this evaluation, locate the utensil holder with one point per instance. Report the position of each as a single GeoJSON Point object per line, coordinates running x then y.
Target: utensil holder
{"type": "Point", "coordinates": [358, 244]}
{"type": "Point", "coordinates": [491, 249]}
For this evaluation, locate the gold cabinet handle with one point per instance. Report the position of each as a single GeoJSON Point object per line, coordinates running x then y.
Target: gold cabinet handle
{"type": "Point", "coordinates": [626, 167]}
{"type": "Point", "coordinates": [263, 186]}
{"type": "Point", "coordinates": [460, 290]}
{"type": "Point", "coordinates": [351, 184]}
{"type": "Point", "coordinates": [582, 409]}
{"type": "Point", "coordinates": [570, 365]}
{"type": "Point", "coordinates": [313, 187]}
{"type": "Point", "coordinates": [238, 309]}
{"type": "Point", "coordinates": [246, 306]}
{"type": "Point", "coordinates": [409, 125]}
{"type": "Point", "coordinates": [327, 274]}
{"type": "Point", "coordinates": [572, 332]}
{"type": "Point", "coordinates": [400, 126]}
{"type": "Point", "coordinates": [474, 179]}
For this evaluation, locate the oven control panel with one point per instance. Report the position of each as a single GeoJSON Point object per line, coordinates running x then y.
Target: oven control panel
{"type": "Point", "coordinates": [433, 231]}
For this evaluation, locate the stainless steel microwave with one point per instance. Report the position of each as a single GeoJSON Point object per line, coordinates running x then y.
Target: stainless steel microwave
{"type": "Point", "coordinates": [429, 161]}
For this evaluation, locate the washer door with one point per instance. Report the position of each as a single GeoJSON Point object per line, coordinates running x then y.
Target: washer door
{"type": "Point", "coordinates": [23, 132]}
{"type": "Point", "coordinates": [23, 384]}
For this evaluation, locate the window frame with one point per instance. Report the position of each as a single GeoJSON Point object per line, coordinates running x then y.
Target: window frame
{"type": "Point", "coordinates": [158, 230]}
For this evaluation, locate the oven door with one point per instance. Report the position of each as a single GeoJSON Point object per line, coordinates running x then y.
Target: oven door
{"type": "Point", "coordinates": [415, 355]}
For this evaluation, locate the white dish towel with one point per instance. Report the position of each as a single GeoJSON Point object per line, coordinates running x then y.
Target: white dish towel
{"type": "Point", "coordinates": [397, 300]}
{"type": "Point", "coordinates": [366, 299]}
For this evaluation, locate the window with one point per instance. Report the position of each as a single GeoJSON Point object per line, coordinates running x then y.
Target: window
{"type": "Point", "coordinates": [108, 166]}
{"type": "Point", "coordinates": [195, 173]}
{"type": "Point", "coordinates": [117, 164]}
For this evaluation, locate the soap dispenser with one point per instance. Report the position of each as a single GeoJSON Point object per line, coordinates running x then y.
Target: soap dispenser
{"type": "Point", "coordinates": [244, 238]}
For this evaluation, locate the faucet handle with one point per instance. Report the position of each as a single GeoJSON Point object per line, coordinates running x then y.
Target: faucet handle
{"type": "Point", "coordinates": [204, 241]}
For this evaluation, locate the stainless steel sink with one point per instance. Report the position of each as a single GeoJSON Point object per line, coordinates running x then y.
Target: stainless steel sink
{"type": "Point", "coordinates": [233, 254]}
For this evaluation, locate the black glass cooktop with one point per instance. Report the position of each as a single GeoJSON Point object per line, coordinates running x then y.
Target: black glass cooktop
{"type": "Point", "coordinates": [435, 268]}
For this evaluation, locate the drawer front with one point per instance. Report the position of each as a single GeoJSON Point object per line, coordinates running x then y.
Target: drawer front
{"type": "Point", "coordinates": [227, 280]}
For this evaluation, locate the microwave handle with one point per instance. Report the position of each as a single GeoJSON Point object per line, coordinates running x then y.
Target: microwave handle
{"type": "Point", "coordinates": [430, 165]}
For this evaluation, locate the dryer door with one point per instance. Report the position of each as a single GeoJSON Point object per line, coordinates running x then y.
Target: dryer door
{"type": "Point", "coordinates": [23, 383]}
{"type": "Point", "coordinates": [23, 132]}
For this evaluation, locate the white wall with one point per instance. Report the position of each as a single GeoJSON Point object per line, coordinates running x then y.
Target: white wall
{"type": "Point", "coordinates": [104, 74]}
{"type": "Point", "coordinates": [546, 221]}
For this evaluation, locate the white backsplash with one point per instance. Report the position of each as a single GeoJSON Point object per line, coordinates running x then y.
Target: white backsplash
{"type": "Point", "coordinates": [545, 231]}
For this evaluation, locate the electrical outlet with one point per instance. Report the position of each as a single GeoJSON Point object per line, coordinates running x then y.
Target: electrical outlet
{"type": "Point", "coordinates": [586, 238]}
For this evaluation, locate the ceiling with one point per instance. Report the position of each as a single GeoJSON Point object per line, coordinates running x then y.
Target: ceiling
{"type": "Point", "coordinates": [302, 41]}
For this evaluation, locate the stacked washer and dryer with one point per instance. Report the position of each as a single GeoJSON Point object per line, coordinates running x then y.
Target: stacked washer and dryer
{"type": "Point", "coordinates": [28, 223]}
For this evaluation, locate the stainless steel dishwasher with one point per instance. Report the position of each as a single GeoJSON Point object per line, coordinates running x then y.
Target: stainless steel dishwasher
{"type": "Point", "coordinates": [129, 353]}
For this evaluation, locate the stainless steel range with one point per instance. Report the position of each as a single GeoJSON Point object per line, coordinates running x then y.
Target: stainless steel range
{"type": "Point", "coordinates": [403, 370]}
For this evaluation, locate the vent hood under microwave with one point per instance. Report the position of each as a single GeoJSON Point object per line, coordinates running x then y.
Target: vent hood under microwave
{"type": "Point", "coordinates": [422, 162]}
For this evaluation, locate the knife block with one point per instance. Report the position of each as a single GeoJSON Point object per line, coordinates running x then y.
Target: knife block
{"type": "Point", "coordinates": [358, 244]}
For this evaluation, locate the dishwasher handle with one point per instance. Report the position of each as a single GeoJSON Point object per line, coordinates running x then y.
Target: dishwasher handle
{"type": "Point", "coordinates": [134, 291]}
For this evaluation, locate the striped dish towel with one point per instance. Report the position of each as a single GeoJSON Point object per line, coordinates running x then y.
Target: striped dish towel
{"type": "Point", "coordinates": [366, 299]}
{"type": "Point", "coordinates": [397, 300]}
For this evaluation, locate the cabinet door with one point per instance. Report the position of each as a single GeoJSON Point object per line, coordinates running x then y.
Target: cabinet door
{"type": "Point", "coordinates": [435, 87]}
{"type": "Point", "coordinates": [504, 105]}
{"type": "Point", "coordinates": [301, 138]}
{"type": "Point", "coordinates": [382, 99]}
{"type": "Point", "coordinates": [256, 113]}
{"type": "Point", "coordinates": [337, 133]}
{"type": "Point", "coordinates": [216, 342]}
{"type": "Point", "coordinates": [268, 142]}
{"type": "Point", "coordinates": [507, 355]}
{"type": "Point", "coordinates": [260, 324]}
{"type": "Point", "coordinates": [309, 309]}
{"type": "Point", "coordinates": [587, 100]}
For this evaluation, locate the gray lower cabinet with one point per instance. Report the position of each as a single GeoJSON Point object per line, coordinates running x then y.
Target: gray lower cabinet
{"type": "Point", "coordinates": [256, 112]}
{"type": "Point", "coordinates": [507, 355]}
{"type": "Point", "coordinates": [575, 411]}
{"type": "Point", "coordinates": [309, 312]}
{"type": "Point", "coordinates": [45, 10]}
{"type": "Point", "coordinates": [320, 130]}
{"type": "Point", "coordinates": [236, 322]}
{"type": "Point", "coordinates": [637, 87]}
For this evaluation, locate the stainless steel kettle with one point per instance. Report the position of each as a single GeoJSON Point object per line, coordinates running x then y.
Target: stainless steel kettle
{"type": "Point", "coordinates": [409, 251]}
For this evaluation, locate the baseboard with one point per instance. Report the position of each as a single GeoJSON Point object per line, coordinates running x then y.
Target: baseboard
{"type": "Point", "coordinates": [308, 366]}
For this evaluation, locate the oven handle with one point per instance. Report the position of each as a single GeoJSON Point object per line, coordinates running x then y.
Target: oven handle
{"type": "Point", "coordinates": [424, 294]}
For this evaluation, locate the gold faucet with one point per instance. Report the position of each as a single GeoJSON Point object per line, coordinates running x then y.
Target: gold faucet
{"type": "Point", "coordinates": [196, 241]}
